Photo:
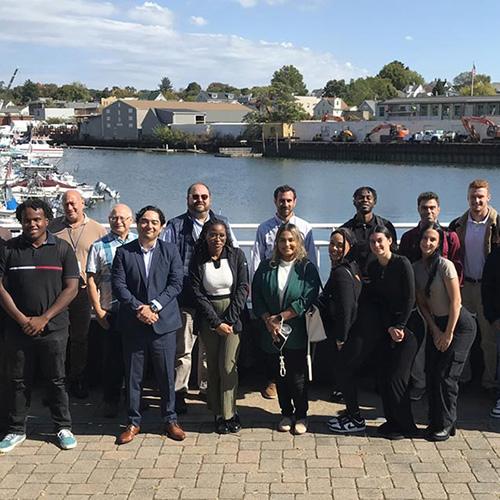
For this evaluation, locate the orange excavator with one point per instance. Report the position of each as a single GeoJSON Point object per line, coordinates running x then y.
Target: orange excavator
{"type": "Point", "coordinates": [481, 129]}
{"type": "Point", "coordinates": [387, 132]}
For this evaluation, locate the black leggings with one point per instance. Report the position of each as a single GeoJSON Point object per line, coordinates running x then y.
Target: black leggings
{"type": "Point", "coordinates": [444, 370]}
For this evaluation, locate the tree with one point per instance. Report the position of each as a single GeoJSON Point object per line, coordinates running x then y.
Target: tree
{"type": "Point", "coordinates": [290, 77]}
{"type": "Point", "coordinates": [165, 85]}
{"type": "Point", "coordinates": [439, 88]}
{"type": "Point", "coordinates": [27, 92]}
{"type": "Point", "coordinates": [400, 75]}
{"type": "Point", "coordinates": [480, 88]}
{"type": "Point", "coordinates": [120, 93]}
{"type": "Point", "coordinates": [482, 84]}
{"type": "Point", "coordinates": [191, 91]}
{"type": "Point", "coordinates": [75, 91]}
{"type": "Point", "coordinates": [221, 87]}
{"type": "Point", "coordinates": [335, 88]}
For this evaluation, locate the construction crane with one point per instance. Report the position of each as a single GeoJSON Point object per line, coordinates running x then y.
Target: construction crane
{"type": "Point", "coordinates": [9, 85]}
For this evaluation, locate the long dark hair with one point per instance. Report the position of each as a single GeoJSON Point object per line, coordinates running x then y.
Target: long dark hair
{"type": "Point", "coordinates": [435, 257]}
{"type": "Point", "coordinates": [201, 248]}
{"type": "Point", "coordinates": [349, 236]}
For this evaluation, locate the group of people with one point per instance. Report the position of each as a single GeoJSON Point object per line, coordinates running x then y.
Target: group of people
{"type": "Point", "coordinates": [184, 283]}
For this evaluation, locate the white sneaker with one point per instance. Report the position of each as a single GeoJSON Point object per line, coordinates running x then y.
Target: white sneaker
{"type": "Point", "coordinates": [495, 411]}
{"type": "Point", "coordinates": [66, 439]}
{"type": "Point", "coordinates": [300, 427]}
{"type": "Point", "coordinates": [285, 424]}
{"type": "Point", "coordinates": [10, 441]}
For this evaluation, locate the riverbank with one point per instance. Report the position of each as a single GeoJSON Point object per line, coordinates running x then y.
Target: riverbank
{"type": "Point", "coordinates": [446, 154]}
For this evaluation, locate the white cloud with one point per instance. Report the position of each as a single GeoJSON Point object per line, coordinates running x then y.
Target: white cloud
{"type": "Point", "coordinates": [198, 21]}
{"type": "Point", "coordinates": [153, 14]}
{"type": "Point", "coordinates": [146, 45]}
{"type": "Point", "coordinates": [253, 3]}
{"type": "Point", "coordinates": [408, 38]}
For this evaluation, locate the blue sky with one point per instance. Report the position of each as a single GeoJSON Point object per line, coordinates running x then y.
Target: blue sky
{"type": "Point", "coordinates": [241, 42]}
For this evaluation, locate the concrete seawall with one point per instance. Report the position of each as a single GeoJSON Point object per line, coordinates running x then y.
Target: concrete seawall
{"type": "Point", "coordinates": [465, 154]}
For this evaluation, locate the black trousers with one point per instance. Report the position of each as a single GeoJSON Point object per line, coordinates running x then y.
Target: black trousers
{"type": "Point", "coordinates": [21, 353]}
{"type": "Point", "coordinates": [292, 388]}
{"type": "Point", "coordinates": [114, 369]}
{"type": "Point", "coordinates": [395, 367]}
{"type": "Point", "coordinates": [3, 381]}
{"type": "Point", "coordinates": [444, 370]}
{"type": "Point", "coordinates": [362, 343]}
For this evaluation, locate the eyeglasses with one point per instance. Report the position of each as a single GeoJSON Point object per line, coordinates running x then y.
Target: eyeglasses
{"type": "Point", "coordinates": [215, 236]}
{"type": "Point", "coordinates": [199, 197]}
{"type": "Point", "coordinates": [116, 218]}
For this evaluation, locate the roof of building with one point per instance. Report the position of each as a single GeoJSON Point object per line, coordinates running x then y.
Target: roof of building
{"type": "Point", "coordinates": [442, 100]}
{"type": "Point", "coordinates": [188, 106]}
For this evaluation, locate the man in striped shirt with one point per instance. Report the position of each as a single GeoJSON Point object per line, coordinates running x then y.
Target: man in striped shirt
{"type": "Point", "coordinates": [38, 280]}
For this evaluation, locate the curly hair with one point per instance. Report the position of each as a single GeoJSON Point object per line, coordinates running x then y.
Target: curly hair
{"type": "Point", "coordinates": [201, 248]}
{"type": "Point", "coordinates": [35, 204]}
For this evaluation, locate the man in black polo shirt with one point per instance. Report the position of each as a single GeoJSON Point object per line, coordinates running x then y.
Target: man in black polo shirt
{"type": "Point", "coordinates": [364, 222]}
{"type": "Point", "coordinates": [38, 279]}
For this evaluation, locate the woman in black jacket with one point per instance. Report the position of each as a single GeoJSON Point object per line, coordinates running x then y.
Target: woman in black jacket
{"type": "Point", "coordinates": [392, 290]}
{"type": "Point", "coordinates": [219, 278]}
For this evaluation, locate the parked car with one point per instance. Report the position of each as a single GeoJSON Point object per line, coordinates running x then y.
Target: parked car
{"type": "Point", "coordinates": [433, 136]}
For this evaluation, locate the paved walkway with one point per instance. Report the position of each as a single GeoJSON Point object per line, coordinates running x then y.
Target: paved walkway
{"type": "Point", "coordinates": [258, 463]}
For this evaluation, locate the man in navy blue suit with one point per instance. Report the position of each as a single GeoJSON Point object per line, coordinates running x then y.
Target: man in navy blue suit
{"type": "Point", "coordinates": [147, 276]}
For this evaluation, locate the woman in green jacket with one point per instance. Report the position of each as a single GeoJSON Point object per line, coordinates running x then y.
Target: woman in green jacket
{"type": "Point", "coordinates": [283, 288]}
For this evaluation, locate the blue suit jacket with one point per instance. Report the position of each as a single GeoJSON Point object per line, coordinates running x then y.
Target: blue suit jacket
{"type": "Point", "coordinates": [132, 288]}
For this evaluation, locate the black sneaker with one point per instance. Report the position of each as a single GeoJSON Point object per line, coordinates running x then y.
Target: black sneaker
{"type": "Point", "coordinates": [221, 426]}
{"type": "Point", "coordinates": [234, 424]}
{"type": "Point", "coordinates": [346, 424]}
{"type": "Point", "coordinates": [337, 397]}
{"type": "Point", "coordinates": [388, 431]}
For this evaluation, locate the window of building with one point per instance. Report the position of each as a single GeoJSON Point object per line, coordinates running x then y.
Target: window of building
{"type": "Point", "coordinates": [480, 109]}
{"type": "Point", "coordinates": [458, 110]}
{"type": "Point", "coordinates": [130, 110]}
{"type": "Point", "coordinates": [445, 113]}
{"type": "Point", "coordinates": [424, 109]}
{"type": "Point", "coordinates": [108, 111]}
{"type": "Point", "coordinates": [130, 125]}
{"type": "Point", "coordinates": [435, 110]}
{"type": "Point", "coordinates": [130, 118]}
{"type": "Point", "coordinates": [381, 111]}
{"type": "Point", "coordinates": [492, 109]}
{"type": "Point", "coordinates": [108, 125]}
{"type": "Point", "coordinates": [108, 118]}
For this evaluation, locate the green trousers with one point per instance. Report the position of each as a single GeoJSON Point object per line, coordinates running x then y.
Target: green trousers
{"type": "Point", "coordinates": [222, 355]}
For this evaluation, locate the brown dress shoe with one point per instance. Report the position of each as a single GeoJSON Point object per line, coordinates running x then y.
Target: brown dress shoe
{"type": "Point", "coordinates": [174, 431]}
{"type": "Point", "coordinates": [128, 434]}
{"type": "Point", "coordinates": [270, 391]}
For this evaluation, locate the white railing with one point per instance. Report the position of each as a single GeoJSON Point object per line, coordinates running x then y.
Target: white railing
{"type": "Point", "coordinates": [247, 244]}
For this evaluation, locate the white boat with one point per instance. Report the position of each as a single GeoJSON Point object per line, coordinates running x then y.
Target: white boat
{"type": "Point", "coordinates": [36, 148]}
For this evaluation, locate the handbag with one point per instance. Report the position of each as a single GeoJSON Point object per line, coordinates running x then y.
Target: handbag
{"type": "Point", "coordinates": [315, 333]}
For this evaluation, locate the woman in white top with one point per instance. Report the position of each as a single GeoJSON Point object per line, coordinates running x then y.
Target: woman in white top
{"type": "Point", "coordinates": [451, 331]}
{"type": "Point", "coordinates": [219, 278]}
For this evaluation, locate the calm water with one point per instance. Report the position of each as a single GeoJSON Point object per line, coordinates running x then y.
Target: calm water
{"type": "Point", "coordinates": [242, 188]}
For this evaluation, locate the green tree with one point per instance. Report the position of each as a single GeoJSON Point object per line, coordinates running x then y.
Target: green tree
{"type": "Point", "coordinates": [480, 88]}
{"type": "Point", "coordinates": [27, 92]}
{"type": "Point", "coordinates": [75, 91]}
{"type": "Point", "coordinates": [221, 87]}
{"type": "Point", "coordinates": [439, 87]}
{"type": "Point", "coordinates": [291, 78]}
{"type": "Point", "coordinates": [400, 75]}
{"type": "Point", "coordinates": [120, 93]}
{"type": "Point", "coordinates": [165, 85]}
{"type": "Point", "coordinates": [335, 88]}
{"type": "Point", "coordinates": [190, 93]}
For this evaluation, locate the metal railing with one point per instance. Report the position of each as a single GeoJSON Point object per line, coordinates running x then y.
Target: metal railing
{"type": "Point", "coordinates": [247, 244]}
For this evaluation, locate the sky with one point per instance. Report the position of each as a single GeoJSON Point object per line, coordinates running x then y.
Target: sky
{"type": "Point", "coordinates": [241, 42]}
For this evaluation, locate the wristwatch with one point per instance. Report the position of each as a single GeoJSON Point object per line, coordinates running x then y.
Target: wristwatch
{"type": "Point", "coordinates": [154, 307]}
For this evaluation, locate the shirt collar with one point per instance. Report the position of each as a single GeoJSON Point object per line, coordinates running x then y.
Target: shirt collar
{"type": "Point", "coordinates": [148, 250]}
{"type": "Point", "coordinates": [280, 221]}
{"type": "Point", "coordinates": [50, 240]}
{"type": "Point", "coordinates": [472, 221]}
{"type": "Point", "coordinates": [113, 236]}
{"type": "Point", "coordinates": [85, 220]}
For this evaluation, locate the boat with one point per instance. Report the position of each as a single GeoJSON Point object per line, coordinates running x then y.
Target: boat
{"type": "Point", "coordinates": [36, 148]}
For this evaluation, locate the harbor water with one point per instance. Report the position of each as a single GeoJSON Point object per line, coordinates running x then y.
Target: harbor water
{"type": "Point", "coordinates": [242, 187]}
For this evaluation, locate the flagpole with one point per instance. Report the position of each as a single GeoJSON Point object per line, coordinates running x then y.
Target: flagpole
{"type": "Point", "coordinates": [473, 76]}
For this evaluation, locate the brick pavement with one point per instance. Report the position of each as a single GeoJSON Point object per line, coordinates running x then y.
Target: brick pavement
{"type": "Point", "coordinates": [258, 463]}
